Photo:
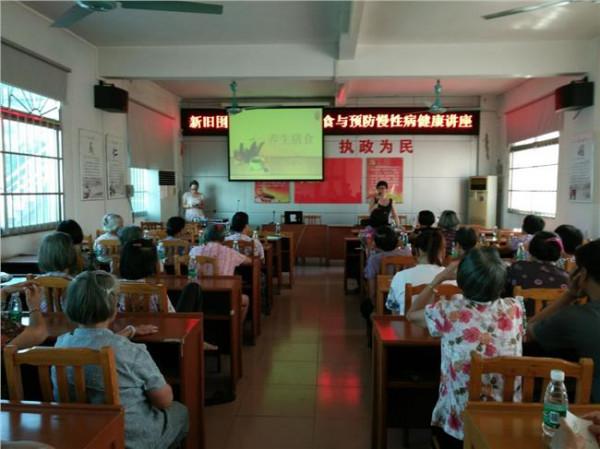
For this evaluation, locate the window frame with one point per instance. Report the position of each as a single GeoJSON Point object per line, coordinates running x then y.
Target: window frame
{"type": "Point", "coordinates": [140, 213]}
{"type": "Point", "coordinates": [13, 115]}
{"type": "Point", "coordinates": [553, 138]}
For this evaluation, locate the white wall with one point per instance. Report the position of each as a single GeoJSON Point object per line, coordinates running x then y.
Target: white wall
{"type": "Point", "coordinates": [33, 32]}
{"type": "Point", "coordinates": [586, 216]}
{"type": "Point", "coordinates": [435, 177]}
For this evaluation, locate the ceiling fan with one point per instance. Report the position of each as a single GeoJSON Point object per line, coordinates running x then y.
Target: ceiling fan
{"type": "Point", "coordinates": [438, 108]}
{"type": "Point", "coordinates": [529, 8]}
{"type": "Point", "coordinates": [84, 8]}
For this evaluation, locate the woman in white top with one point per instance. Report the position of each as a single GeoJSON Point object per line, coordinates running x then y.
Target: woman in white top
{"type": "Point", "coordinates": [193, 203]}
{"type": "Point", "coordinates": [431, 250]}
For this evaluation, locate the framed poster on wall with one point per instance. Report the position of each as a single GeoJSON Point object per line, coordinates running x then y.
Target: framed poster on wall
{"type": "Point", "coordinates": [390, 170]}
{"type": "Point", "coordinates": [271, 192]}
{"type": "Point", "coordinates": [116, 167]}
{"type": "Point", "coordinates": [91, 165]}
{"type": "Point", "coordinates": [581, 175]}
{"type": "Point", "coordinates": [342, 184]}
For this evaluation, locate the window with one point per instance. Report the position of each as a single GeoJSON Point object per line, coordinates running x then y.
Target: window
{"type": "Point", "coordinates": [141, 192]}
{"type": "Point", "coordinates": [533, 175]}
{"type": "Point", "coordinates": [31, 162]}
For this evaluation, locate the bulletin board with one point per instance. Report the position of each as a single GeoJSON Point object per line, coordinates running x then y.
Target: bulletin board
{"type": "Point", "coordinates": [342, 184]}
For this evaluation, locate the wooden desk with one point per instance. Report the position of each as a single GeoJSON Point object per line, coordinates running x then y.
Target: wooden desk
{"type": "Point", "coordinates": [64, 426]}
{"type": "Point", "coordinates": [492, 425]}
{"type": "Point", "coordinates": [275, 242]}
{"type": "Point", "coordinates": [222, 305]}
{"type": "Point", "coordinates": [250, 275]}
{"type": "Point", "coordinates": [288, 249]}
{"type": "Point", "coordinates": [406, 366]}
{"type": "Point", "coordinates": [178, 350]}
{"type": "Point", "coordinates": [337, 238]}
{"type": "Point", "coordinates": [21, 264]}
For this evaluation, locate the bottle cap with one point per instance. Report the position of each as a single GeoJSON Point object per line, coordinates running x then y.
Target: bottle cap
{"type": "Point", "coordinates": [557, 375]}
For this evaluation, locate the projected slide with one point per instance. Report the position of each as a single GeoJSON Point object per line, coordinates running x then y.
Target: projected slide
{"type": "Point", "coordinates": [276, 145]}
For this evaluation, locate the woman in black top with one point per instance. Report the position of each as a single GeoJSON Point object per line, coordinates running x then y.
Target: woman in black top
{"type": "Point", "coordinates": [382, 200]}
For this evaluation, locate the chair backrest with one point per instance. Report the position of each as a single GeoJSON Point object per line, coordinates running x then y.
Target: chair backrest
{"type": "Point", "coordinates": [87, 242]}
{"type": "Point", "coordinates": [54, 288]}
{"type": "Point", "coordinates": [312, 219]}
{"type": "Point", "coordinates": [201, 265]}
{"type": "Point", "coordinates": [539, 296]}
{"type": "Point", "coordinates": [245, 247]}
{"type": "Point", "coordinates": [393, 264]}
{"type": "Point", "coordinates": [138, 296]}
{"type": "Point", "coordinates": [570, 265]}
{"type": "Point", "coordinates": [383, 287]}
{"type": "Point", "coordinates": [174, 248]}
{"type": "Point", "coordinates": [446, 291]}
{"type": "Point", "coordinates": [155, 234]}
{"type": "Point", "coordinates": [61, 358]}
{"type": "Point", "coordinates": [529, 369]}
{"type": "Point", "coordinates": [151, 225]}
{"type": "Point", "coordinates": [110, 247]}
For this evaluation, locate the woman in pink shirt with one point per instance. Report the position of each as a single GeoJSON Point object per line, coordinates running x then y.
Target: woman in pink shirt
{"type": "Point", "coordinates": [227, 258]}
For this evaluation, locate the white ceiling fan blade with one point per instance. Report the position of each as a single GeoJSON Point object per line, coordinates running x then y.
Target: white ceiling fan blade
{"type": "Point", "coordinates": [73, 14]}
{"type": "Point", "coordinates": [529, 8]}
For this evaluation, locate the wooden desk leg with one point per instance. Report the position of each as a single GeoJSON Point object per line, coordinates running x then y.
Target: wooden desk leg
{"type": "Point", "coordinates": [379, 395]}
{"type": "Point", "coordinates": [192, 387]}
{"type": "Point", "coordinates": [236, 339]}
{"type": "Point", "coordinates": [256, 299]}
{"type": "Point", "coordinates": [269, 276]}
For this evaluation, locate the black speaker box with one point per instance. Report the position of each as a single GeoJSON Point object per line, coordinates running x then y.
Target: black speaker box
{"type": "Point", "coordinates": [110, 98]}
{"type": "Point", "coordinates": [573, 96]}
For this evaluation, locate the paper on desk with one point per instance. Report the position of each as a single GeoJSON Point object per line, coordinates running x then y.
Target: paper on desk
{"type": "Point", "coordinates": [580, 428]}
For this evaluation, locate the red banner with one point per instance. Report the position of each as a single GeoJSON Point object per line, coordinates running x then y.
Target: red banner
{"type": "Point", "coordinates": [390, 170]}
{"type": "Point", "coordinates": [342, 184]}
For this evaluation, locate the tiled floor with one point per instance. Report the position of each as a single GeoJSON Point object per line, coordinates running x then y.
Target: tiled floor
{"type": "Point", "coordinates": [306, 383]}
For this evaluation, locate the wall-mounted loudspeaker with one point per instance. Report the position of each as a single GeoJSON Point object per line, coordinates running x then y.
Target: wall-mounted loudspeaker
{"type": "Point", "coordinates": [110, 98]}
{"type": "Point", "coordinates": [575, 95]}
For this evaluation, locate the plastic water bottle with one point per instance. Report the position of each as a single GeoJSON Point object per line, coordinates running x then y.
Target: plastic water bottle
{"type": "Point", "coordinates": [454, 251]}
{"type": "Point", "coordinates": [255, 235]}
{"type": "Point", "coordinates": [521, 253]}
{"type": "Point", "coordinates": [236, 245]}
{"type": "Point", "coordinates": [192, 272]}
{"type": "Point", "coordinates": [15, 308]}
{"type": "Point", "coordinates": [556, 403]}
{"type": "Point", "coordinates": [277, 228]}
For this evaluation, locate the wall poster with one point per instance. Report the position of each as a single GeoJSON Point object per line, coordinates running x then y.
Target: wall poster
{"type": "Point", "coordinates": [116, 167]}
{"type": "Point", "coordinates": [387, 169]}
{"type": "Point", "coordinates": [342, 184]}
{"type": "Point", "coordinates": [271, 192]}
{"type": "Point", "coordinates": [91, 165]}
{"type": "Point", "coordinates": [581, 175]}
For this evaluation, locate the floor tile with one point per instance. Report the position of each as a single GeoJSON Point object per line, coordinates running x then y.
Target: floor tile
{"type": "Point", "coordinates": [342, 433]}
{"type": "Point", "coordinates": [276, 400]}
{"type": "Point", "coordinates": [343, 402]}
{"type": "Point", "coordinates": [255, 432]}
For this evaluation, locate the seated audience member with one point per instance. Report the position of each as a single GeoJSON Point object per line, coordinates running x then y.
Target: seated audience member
{"type": "Point", "coordinates": [57, 257]}
{"type": "Point", "coordinates": [425, 221]}
{"type": "Point", "coordinates": [571, 238]}
{"type": "Point", "coordinates": [111, 224]}
{"type": "Point", "coordinates": [540, 271]}
{"type": "Point", "coordinates": [72, 228]}
{"type": "Point", "coordinates": [574, 441]}
{"type": "Point", "coordinates": [567, 327]}
{"type": "Point", "coordinates": [240, 230]}
{"type": "Point", "coordinates": [447, 224]}
{"type": "Point", "coordinates": [130, 233]}
{"type": "Point", "coordinates": [138, 262]}
{"type": "Point", "coordinates": [377, 219]}
{"type": "Point", "coordinates": [466, 240]}
{"type": "Point", "coordinates": [152, 418]}
{"type": "Point", "coordinates": [531, 225]}
{"type": "Point", "coordinates": [227, 258]}
{"type": "Point", "coordinates": [430, 250]}
{"type": "Point", "coordinates": [478, 320]}
{"type": "Point", "coordinates": [175, 227]}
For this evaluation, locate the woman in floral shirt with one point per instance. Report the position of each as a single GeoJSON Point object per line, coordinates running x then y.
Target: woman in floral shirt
{"type": "Point", "coordinates": [479, 321]}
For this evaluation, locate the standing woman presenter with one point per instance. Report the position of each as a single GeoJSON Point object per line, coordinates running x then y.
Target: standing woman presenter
{"type": "Point", "coordinates": [193, 203]}
{"type": "Point", "coordinates": [383, 200]}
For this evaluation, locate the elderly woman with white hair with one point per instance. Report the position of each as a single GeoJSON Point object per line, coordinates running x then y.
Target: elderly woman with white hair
{"type": "Point", "coordinates": [111, 225]}
{"type": "Point", "coordinates": [152, 418]}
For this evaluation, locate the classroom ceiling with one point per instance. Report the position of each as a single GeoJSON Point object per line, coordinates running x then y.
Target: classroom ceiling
{"type": "Point", "coordinates": [321, 26]}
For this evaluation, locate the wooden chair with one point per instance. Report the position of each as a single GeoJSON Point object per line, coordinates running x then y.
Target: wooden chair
{"type": "Point", "coordinates": [446, 291]}
{"type": "Point", "coordinates": [312, 219]}
{"type": "Point", "coordinates": [191, 233]}
{"type": "Point", "coordinates": [155, 235]}
{"type": "Point", "coordinates": [570, 265]}
{"type": "Point", "coordinates": [529, 369]}
{"type": "Point", "coordinates": [152, 225]}
{"type": "Point", "coordinates": [61, 358]}
{"type": "Point", "coordinates": [110, 249]}
{"type": "Point", "coordinates": [245, 247]}
{"type": "Point", "coordinates": [383, 287]}
{"type": "Point", "coordinates": [87, 243]}
{"type": "Point", "coordinates": [174, 248]}
{"type": "Point", "coordinates": [138, 296]}
{"type": "Point", "coordinates": [398, 263]}
{"type": "Point", "coordinates": [201, 261]}
{"type": "Point", "coordinates": [539, 296]}
{"type": "Point", "coordinates": [54, 288]}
